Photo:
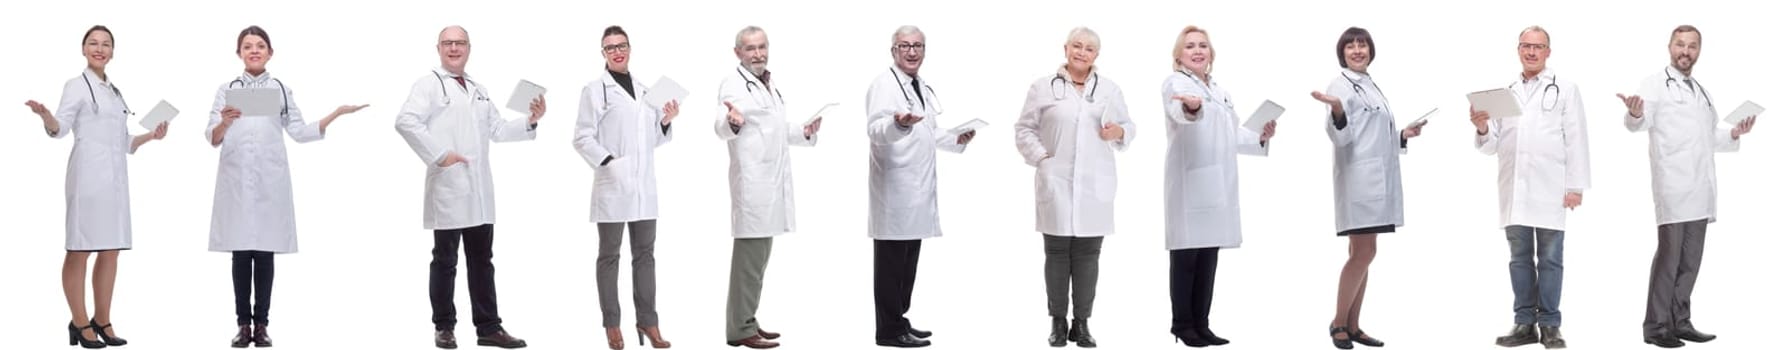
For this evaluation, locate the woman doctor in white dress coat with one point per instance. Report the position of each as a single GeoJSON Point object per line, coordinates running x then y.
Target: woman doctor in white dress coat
{"type": "Point", "coordinates": [1071, 126]}
{"type": "Point", "coordinates": [98, 188]}
{"type": "Point", "coordinates": [617, 134]}
{"type": "Point", "coordinates": [1203, 213]}
{"type": "Point", "coordinates": [252, 216]}
{"type": "Point", "coordinates": [1369, 190]}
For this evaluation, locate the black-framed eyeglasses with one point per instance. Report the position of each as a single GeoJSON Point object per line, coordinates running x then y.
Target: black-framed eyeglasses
{"type": "Point", "coordinates": [451, 43]}
{"type": "Point", "coordinates": [911, 47]}
{"type": "Point", "coordinates": [617, 47]}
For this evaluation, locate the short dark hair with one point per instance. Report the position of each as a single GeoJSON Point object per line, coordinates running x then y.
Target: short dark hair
{"type": "Point", "coordinates": [90, 31]}
{"type": "Point", "coordinates": [1687, 29]}
{"type": "Point", "coordinates": [1354, 35]}
{"type": "Point", "coordinates": [613, 30]}
{"type": "Point", "coordinates": [255, 31]}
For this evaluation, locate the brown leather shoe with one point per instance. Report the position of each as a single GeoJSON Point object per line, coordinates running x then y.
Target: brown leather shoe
{"type": "Point", "coordinates": [614, 336]}
{"type": "Point", "coordinates": [444, 339]}
{"type": "Point", "coordinates": [244, 335]}
{"type": "Point", "coordinates": [651, 333]}
{"type": "Point", "coordinates": [755, 342]}
{"type": "Point", "coordinates": [261, 339]}
{"type": "Point", "coordinates": [768, 334]}
{"type": "Point", "coordinates": [502, 339]}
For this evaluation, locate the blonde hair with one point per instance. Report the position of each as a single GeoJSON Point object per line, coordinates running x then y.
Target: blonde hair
{"type": "Point", "coordinates": [1178, 42]}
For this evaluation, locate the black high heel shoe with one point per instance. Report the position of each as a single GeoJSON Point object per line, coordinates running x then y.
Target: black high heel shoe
{"type": "Point", "coordinates": [100, 330]}
{"type": "Point", "coordinates": [1340, 343]}
{"type": "Point", "coordinates": [1191, 340]}
{"type": "Point", "coordinates": [75, 338]}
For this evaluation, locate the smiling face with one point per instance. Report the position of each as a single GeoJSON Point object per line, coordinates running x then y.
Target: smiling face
{"type": "Point", "coordinates": [1080, 52]}
{"type": "Point", "coordinates": [909, 52]}
{"type": "Point", "coordinates": [617, 51]}
{"type": "Point", "coordinates": [454, 48]}
{"type": "Point", "coordinates": [1358, 55]}
{"type": "Point", "coordinates": [97, 47]}
{"type": "Point", "coordinates": [753, 50]}
{"type": "Point", "coordinates": [255, 52]}
{"type": "Point", "coordinates": [1195, 52]}
{"type": "Point", "coordinates": [1534, 49]}
{"type": "Point", "coordinates": [1686, 48]}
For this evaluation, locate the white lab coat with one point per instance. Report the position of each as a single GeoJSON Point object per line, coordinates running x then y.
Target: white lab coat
{"type": "Point", "coordinates": [762, 186]}
{"type": "Point", "coordinates": [98, 186]}
{"type": "Point", "coordinates": [251, 208]}
{"type": "Point", "coordinates": [1541, 155]}
{"type": "Point", "coordinates": [1203, 203]}
{"type": "Point", "coordinates": [439, 117]}
{"type": "Point", "coordinates": [1369, 184]}
{"type": "Point", "coordinates": [1685, 132]}
{"type": "Point", "coordinates": [612, 123]}
{"type": "Point", "coordinates": [1077, 172]}
{"type": "Point", "coordinates": [903, 164]}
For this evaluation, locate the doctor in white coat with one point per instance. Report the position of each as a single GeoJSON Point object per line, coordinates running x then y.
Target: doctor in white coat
{"type": "Point", "coordinates": [252, 217]}
{"type": "Point", "coordinates": [450, 121]}
{"type": "Point", "coordinates": [617, 134]}
{"type": "Point", "coordinates": [904, 139]}
{"type": "Point", "coordinates": [1203, 205]}
{"type": "Point", "coordinates": [758, 137]}
{"type": "Point", "coordinates": [1543, 159]}
{"type": "Point", "coordinates": [1072, 124]}
{"type": "Point", "coordinates": [98, 215]}
{"type": "Point", "coordinates": [1684, 133]}
{"type": "Point", "coordinates": [1369, 182]}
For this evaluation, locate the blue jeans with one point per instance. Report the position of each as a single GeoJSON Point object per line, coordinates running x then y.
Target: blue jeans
{"type": "Point", "coordinates": [1537, 289]}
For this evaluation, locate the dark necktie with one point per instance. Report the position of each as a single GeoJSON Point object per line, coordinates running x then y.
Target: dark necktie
{"type": "Point", "coordinates": [918, 92]}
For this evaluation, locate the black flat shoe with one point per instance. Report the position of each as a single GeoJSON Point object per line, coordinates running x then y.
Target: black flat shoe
{"type": "Point", "coordinates": [1058, 332]}
{"type": "Point", "coordinates": [100, 330]}
{"type": "Point", "coordinates": [1522, 334]}
{"type": "Point", "coordinates": [1081, 335]}
{"type": "Point", "coordinates": [244, 336]}
{"type": "Point", "coordinates": [1664, 341]}
{"type": "Point", "coordinates": [904, 341]}
{"type": "Point", "coordinates": [919, 333]}
{"type": "Point", "coordinates": [75, 337]}
{"type": "Point", "coordinates": [1362, 338]}
{"type": "Point", "coordinates": [1690, 334]}
{"type": "Point", "coordinates": [1551, 339]}
{"type": "Point", "coordinates": [261, 339]}
{"type": "Point", "coordinates": [1343, 343]}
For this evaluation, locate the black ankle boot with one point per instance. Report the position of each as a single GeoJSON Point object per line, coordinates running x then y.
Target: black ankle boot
{"type": "Point", "coordinates": [1058, 332]}
{"type": "Point", "coordinates": [1082, 336]}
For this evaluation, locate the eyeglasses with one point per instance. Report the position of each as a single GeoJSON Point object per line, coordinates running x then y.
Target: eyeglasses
{"type": "Point", "coordinates": [616, 48]}
{"type": "Point", "coordinates": [1536, 47]}
{"type": "Point", "coordinates": [911, 47]}
{"type": "Point", "coordinates": [452, 43]}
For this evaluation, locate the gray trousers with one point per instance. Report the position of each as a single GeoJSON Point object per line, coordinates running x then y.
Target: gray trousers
{"type": "Point", "coordinates": [1674, 269]}
{"type": "Point", "coordinates": [608, 265]}
{"type": "Point", "coordinates": [1071, 263]}
{"type": "Point", "coordinates": [750, 257]}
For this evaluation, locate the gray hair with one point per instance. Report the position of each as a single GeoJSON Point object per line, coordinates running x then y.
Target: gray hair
{"type": "Point", "coordinates": [1543, 31]}
{"type": "Point", "coordinates": [739, 39]}
{"type": "Point", "coordinates": [906, 30]}
{"type": "Point", "coordinates": [1080, 32]}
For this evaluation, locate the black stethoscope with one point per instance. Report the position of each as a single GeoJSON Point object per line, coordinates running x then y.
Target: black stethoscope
{"type": "Point", "coordinates": [470, 86]}
{"type": "Point", "coordinates": [94, 95]}
{"type": "Point", "coordinates": [1552, 87]}
{"type": "Point", "coordinates": [1360, 91]}
{"type": "Point", "coordinates": [1060, 91]}
{"type": "Point", "coordinates": [903, 88]}
{"type": "Point", "coordinates": [1669, 80]}
{"type": "Point", "coordinates": [285, 102]}
{"type": "Point", "coordinates": [749, 83]}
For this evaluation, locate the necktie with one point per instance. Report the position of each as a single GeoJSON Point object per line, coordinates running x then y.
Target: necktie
{"type": "Point", "coordinates": [462, 81]}
{"type": "Point", "coordinates": [918, 92]}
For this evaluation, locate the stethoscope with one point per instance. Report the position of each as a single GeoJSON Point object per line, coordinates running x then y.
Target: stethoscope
{"type": "Point", "coordinates": [470, 86]}
{"type": "Point", "coordinates": [285, 102]}
{"type": "Point", "coordinates": [1552, 87]}
{"type": "Point", "coordinates": [94, 95]}
{"type": "Point", "coordinates": [1679, 96]}
{"type": "Point", "coordinates": [1060, 91]}
{"type": "Point", "coordinates": [749, 83]}
{"type": "Point", "coordinates": [1207, 90]}
{"type": "Point", "coordinates": [903, 88]}
{"type": "Point", "coordinates": [1360, 91]}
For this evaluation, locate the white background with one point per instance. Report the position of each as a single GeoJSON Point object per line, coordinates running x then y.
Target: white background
{"type": "Point", "coordinates": [360, 279]}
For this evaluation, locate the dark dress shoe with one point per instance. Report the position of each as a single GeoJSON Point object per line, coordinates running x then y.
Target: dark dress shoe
{"type": "Point", "coordinates": [244, 336]}
{"type": "Point", "coordinates": [1664, 341]}
{"type": "Point", "coordinates": [755, 342]}
{"type": "Point", "coordinates": [1551, 338]}
{"type": "Point", "coordinates": [1058, 332]}
{"type": "Point", "coordinates": [768, 335]}
{"type": "Point", "coordinates": [1205, 333]}
{"type": "Point", "coordinates": [1191, 340]}
{"type": "Point", "coordinates": [1081, 335]}
{"type": "Point", "coordinates": [261, 339]}
{"type": "Point", "coordinates": [1522, 334]}
{"type": "Point", "coordinates": [919, 333]}
{"type": "Point", "coordinates": [1343, 343]}
{"type": "Point", "coordinates": [502, 339]}
{"type": "Point", "coordinates": [444, 339]}
{"type": "Point", "coordinates": [1361, 337]}
{"type": "Point", "coordinates": [1687, 333]}
{"type": "Point", "coordinates": [76, 338]}
{"type": "Point", "coordinates": [904, 341]}
{"type": "Point", "coordinates": [111, 340]}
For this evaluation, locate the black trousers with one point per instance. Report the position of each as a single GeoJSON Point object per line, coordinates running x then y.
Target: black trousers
{"type": "Point", "coordinates": [480, 276]}
{"type": "Point", "coordinates": [1191, 273]}
{"type": "Point", "coordinates": [252, 268]}
{"type": "Point", "coordinates": [897, 264]}
{"type": "Point", "coordinates": [1071, 266]}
